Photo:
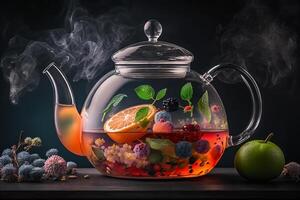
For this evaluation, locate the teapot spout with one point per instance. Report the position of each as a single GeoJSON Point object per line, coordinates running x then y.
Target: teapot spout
{"type": "Point", "coordinates": [67, 118]}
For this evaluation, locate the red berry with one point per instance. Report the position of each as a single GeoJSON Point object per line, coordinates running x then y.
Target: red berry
{"type": "Point", "coordinates": [215, 108]}
{"type": "Point", "coordinates": [187, 108]}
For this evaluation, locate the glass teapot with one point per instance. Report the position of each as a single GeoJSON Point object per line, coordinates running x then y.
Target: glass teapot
{"type": "Point", "coordinates": [152, 117]}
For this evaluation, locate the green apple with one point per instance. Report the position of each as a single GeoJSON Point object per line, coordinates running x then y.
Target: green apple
{"type": "Point", "coordinates": [259, 160]}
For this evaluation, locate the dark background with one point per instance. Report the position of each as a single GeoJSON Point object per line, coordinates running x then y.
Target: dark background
{"type": "Point", "coordinates": [191, 24]}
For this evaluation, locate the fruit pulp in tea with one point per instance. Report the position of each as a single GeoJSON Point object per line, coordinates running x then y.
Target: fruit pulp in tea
{"type": "Point", "coordinates": [176, 154]}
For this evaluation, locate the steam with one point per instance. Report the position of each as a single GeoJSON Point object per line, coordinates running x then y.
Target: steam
{"type": "Point", "coordinates": [261, 43]}
{"type": "Point", "coordinates": [82, 47]}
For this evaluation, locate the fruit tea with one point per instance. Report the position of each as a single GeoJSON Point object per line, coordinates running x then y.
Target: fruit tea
{"type": "Point", "coordinates": [177, 137]}
{"type": "Point", "coordinates": [156, 155]}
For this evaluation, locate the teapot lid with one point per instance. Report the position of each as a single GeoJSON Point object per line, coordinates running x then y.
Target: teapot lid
{"type": "Point", "coordinates": [153, 52]}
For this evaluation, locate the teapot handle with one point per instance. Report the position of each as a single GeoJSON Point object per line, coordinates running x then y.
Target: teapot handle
{"type": "Point", "coordinates": [255, 97]}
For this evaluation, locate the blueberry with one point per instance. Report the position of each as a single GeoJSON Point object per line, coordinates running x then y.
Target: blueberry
{"type": "Point", "coordinates": [71, 165]}
{"type": "Point", "coordinates": [51, 152]}
{"type": "Point", "coordinates": [183, 149]}
{"type": "Point", "coordinates": [34, 157]}
{"type": "Point", "coordinates": [24, 172]}
{"type": "Point", "coordinates": [141, 150]}
{"type": "Point", "coordinates": [202, 146]}
{"type": "Point", "coordinates": [7, 152]}
{"type": "Point", "coordinates": [22, 157]}
{"type": "Point", "coordinates": [162, 115]}
{"type": "Point", "coordinates": [38, 162]}
{"type": "Point", "coordinates": [36, 173]}
{"type": "Point", "coordinates": [5, 159]}
{"type": "Point", "coordinates": [9, 173]}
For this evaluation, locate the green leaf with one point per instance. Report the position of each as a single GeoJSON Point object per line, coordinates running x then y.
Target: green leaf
{"type": "Point", "coordinates": [166, 146]}
{"type": "Point", "coordinates": [98, 152]}
{"type": "Point", "coordinates": [186, 92]}
{"type": "Point", "coordinates": [203, 106]}
{"type": "Point", "coordinates": [145, 92]}
{"type": "Point", "coordinates": [158, 144]}
{"type": "Point", "coordinates": [141, 114]}
{"type": "Point", "coordinates": [113, 103]}
{"type": "Point", "coordinates": [161, 93]}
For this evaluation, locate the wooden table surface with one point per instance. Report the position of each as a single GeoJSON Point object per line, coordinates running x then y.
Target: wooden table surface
{"type": "Point", "coordinates": [221, 183]}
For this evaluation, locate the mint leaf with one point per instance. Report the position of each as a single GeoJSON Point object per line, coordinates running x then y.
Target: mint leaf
{"type": "Point", "coordinates": [145, 92]}
{"type": "Point", "coordinates": [113, 103]}
{"type": "Point", "coordinates": [159, 144]}
{"type": "Point", "coordinates": [141, 114]}
{"type": "Point", "coordinates": [166, 146]}
{"type": "Point", "coordinates": [186, 92]}
{"type": "Point", "coordinates": [203, 106]}
{"type": "Point", "coordinates": [161, 93]}
{"type": "Point", "coordinates": [98, 152]}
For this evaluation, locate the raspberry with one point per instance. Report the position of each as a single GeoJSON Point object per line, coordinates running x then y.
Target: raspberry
{"type": "Point", "coordinates": [215, 108]}
{"type": "Point", "coordinates": [55, 166]}
{"type": "Point", "coordinates": [187, 109]}
{"type": "Point", "coordinates": [170, 104]}
{"type": "Point", "coordinates": [162, 115]}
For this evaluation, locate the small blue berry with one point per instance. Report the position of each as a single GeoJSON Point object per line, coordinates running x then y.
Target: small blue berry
{"type": "Point", "coordinates": [9, 173]}
{"type": "Point", "coordinates": [36, 173]}
{"type": "Point", "coordinates": [51, 152]}
{"type": "Point", "coordinates": [5, 159]}
{"type": "Point", "coordinates": [183, 149]}
{"type": "Point", "coordinates": [162, 115]}
{"type": "Point", "coordinates": [22, 157]}
{"type": "Point", "coordinates": [71, 165]}
{"type": "Point", "coordinates": [33, 157]}
{"type": "Point", "coordinates": [7, 152]}
{"type": "Point", "coordinates": [24, 172]}
{"type": "Point", "coordinates": [38, 162]}
{"type": "Point", "coordinates": [141, 150]}
{"type": "Point", "coordinates": [202, 146]}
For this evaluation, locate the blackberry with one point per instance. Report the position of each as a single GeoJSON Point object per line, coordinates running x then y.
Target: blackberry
{"type": "Point", "coordinates": [170, 104]}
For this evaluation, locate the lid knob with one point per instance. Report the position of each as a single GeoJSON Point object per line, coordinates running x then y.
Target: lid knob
{"type": "Point", "coordinates": [152, 30]}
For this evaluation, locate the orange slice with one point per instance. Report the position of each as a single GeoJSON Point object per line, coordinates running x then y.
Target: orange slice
{"type": "Point", "coordinates": [122, 127]}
